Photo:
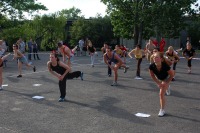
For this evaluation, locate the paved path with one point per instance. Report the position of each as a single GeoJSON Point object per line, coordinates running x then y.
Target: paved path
{"type": "Point", "coordinates": [93, 105]}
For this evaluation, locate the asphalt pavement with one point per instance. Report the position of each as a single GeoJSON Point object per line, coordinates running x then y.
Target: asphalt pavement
{"type": "Point", "coordinates": [93, 105]}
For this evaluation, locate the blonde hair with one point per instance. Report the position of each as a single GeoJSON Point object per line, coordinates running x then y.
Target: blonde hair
{"type": "Point", "coordinates": [170, 48]}
{"type": "Point", "coordinates": [89, 43]}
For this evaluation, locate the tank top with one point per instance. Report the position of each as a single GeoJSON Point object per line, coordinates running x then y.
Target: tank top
{"type": "Point", "coordinates": [112, 59]}
{"type": "Point", "coordinates": [58, 69]}
{"type": "Point", "coordinates": [171, 56]}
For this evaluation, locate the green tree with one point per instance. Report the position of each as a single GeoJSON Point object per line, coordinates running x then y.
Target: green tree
{"type": "Point", "coordinates": [144, 18]}
{"type": "Point", "coordinates": [15, 8]}
{"type": "Point", "coordinates": [72, 13]}
{"type": "Point", "coordinates": [97, 29]}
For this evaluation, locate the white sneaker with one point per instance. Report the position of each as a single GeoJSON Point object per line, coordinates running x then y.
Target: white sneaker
{"type": "Point", "coordinates": [138, 77]}
{"type": "Point", "coordinates": [161, 112]}
{"type": "Point", "coordinates": [168, 91]}
{"type": "Point", "coordinates": [114, 84]}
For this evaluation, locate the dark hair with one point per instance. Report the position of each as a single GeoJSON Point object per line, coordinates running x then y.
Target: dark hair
{"type": "Point", "coordinates": [55, 54]}
{"type": "Point", "coordinates": [109, 48]}
{"type": "Point", "coordinates": [106, 43]}
{"type": "Point", "coordinates": [139, 46]}
{"type": "Point", "coordinates": [15, 45]}
{"type": "Point", "coordinates": [59, 44]}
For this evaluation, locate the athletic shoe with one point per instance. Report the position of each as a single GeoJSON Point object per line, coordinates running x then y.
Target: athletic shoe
{"type": "Point", "coordinates": [138, 77]}
{"type": "Point", "coordinates": [61, 100]}
{"type": "Point", "coordinates": [34, 69]}
{"type": "Point", "coordinates": [168, 91]}
{"type": "Point", "coordinates": [81, 76]}
{"type": "Point", "coordinates": [189, 71]}
{"type": "Point", "coordinates": [173, 79]}
{"type": "Point", "coordinates": [161, 113]}
{"type": "Point", "coordinates": [19, 76]}
{"type": "Point", "coordinates": [30, 63]}
{"type": "Point", "coordinates": [109, 75]}
{"type": "Point", "coordinates": [125, 69]}
{"type": "Point", "coordinates": [114, 84]}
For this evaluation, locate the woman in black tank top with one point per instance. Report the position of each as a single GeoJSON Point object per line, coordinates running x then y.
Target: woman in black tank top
{"type": "Point", "coordinates": [61, 71]}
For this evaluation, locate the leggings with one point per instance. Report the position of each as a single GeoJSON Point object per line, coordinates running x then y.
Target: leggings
{"type": "Point", "coordinates": [62, 84]}
{"type": "Point", "coordinates": [190, 63]}
{"type": "Point", "coordinates": [174, 66]}
{"type": "Point", "coordinates": [138, 66]}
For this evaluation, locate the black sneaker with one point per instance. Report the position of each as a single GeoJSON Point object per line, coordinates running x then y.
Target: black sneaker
{"type": "Point", "coordinates": [173, 79]}
{"type": "Point", "coordinates": [19, 76]}
{"type": "Point", "coordinates": [34, 69]}
{"type": "Point", "coordinates": [61, 100]}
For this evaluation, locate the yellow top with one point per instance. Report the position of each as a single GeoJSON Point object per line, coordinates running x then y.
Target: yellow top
{"type": "Point", "coordinates": [137, 53]}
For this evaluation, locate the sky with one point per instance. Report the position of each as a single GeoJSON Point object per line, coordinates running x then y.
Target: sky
{"type": "Point", "coordinates": [89, 8]}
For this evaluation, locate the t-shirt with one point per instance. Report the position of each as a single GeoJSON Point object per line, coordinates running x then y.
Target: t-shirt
{"type": "Point", "coordinates": [22, 47]}
{"type": "Point", "coordinates": [189, 52]}
{"type": "Point", "coordinates": [91, 49]}
{"type": "Point", "coordinates": [163, 73]}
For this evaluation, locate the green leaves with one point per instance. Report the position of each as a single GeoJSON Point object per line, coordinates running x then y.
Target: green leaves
{"type": "Point", "coordinates": [16, 8]}
{"type": "Point", "coordinates": [158, 17]}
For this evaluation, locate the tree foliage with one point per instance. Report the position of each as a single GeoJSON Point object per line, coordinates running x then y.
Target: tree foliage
{"type": "Point", "coordinates": [136, 18]}
{"type": "Point", "coordinates": [16, 8]}
{"type": "Point", "coordinates": [96, 29]}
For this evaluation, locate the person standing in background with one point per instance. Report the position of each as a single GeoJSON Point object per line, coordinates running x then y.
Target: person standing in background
{"type": "Point", "coordinates": [21, 59]}
{"type": "Point", "coordinates": [81, 44]}
{"type": "Point", "coordinates": [173, 57]}
{"type": "Point", "coordinates": [149, 49]}
{"type": "Point", "coordinates": [35, 49]}
{"type": "Point", "coordinates": [139, 54]}
{"type": "Point", "coordinates": [22, 46]}
{"type": "Point", "coordinates": [189, 54]}
{"type": "Point", "coordinates": [1, 69]}
{"type": "Point", "coordinates": [162, 45]}
{"type": "Point", "coordinates": [30, 48]}
{"type": "Point", "coordinates": [91, 49]}
{"type": "Point", "coordinates": [103, 49]}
